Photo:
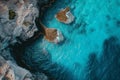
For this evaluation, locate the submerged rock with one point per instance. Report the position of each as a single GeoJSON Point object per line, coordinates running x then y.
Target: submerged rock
{"type": "Point", "coordinates": [65, 16]}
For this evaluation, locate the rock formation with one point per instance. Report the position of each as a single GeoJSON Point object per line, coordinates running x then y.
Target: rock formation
{"type": "Point", "coordinates": [52, 34]}
{"type": "Point", "coordinates": [65, 16]}
{"type": "Point", "coordinates": [16, 20]}
{"type": "Point", "coordinates": [17, 23]}
{"type": "Point", "coordinates": [10, 71]}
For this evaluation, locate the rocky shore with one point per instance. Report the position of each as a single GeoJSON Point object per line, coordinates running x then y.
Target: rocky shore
{"type": "Point", "coordinates": [17, 24]}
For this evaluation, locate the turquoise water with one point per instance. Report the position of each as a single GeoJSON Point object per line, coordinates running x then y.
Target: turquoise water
{"type": "Point", "coordinates": [95, 21]}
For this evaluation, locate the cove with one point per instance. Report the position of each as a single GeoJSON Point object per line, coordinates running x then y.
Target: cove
{"type": "Point", "coordinates": [81, 55]}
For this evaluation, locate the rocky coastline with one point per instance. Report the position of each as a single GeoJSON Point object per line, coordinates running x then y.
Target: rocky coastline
{"type": "Point", "coordinates": [17, 27]}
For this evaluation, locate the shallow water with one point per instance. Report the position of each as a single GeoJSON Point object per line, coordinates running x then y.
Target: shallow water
{"type": "Point", "coordinates": [81, 54]}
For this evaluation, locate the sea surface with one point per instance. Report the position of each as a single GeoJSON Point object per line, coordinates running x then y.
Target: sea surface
{"type": "Point", "coordinates": [91, 46]}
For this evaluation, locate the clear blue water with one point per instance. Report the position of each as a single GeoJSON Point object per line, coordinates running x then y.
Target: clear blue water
{"type": "Point", "coordinates": [95, 22]}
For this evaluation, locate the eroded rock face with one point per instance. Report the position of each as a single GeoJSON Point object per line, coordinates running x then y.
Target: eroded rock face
{"type": "Point", "coordinates": [20, 73]}
{"type": "Point", "coordinates": [17, 19]}
{"type": "Point", "coordinates": [10, 71]}
{"type": "Point", "coordinates": [3, 67]}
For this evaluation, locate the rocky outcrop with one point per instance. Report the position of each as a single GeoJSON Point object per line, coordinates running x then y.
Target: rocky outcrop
{"type": "Point", "coordinates": [17, 20]}
{"type": "Point", "coordinates": [10, 71]}
{"type": "Point", "coordinates": [17, 23]}
{"type": "Point", "coordinates": [65, 16]}
{"type": "Point", "coordinates": [51, 34]}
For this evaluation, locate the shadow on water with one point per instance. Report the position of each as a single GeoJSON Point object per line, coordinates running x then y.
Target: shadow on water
{"type": "Point", "coordinates": [107, 67]}
{"type": "Point", "coordinates": [92, 67]}
{"type": "Point", "coordinates": [38, 60]}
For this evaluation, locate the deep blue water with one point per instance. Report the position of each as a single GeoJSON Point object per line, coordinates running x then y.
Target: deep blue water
{"type": "Point", "coordinates": [91, 49]}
